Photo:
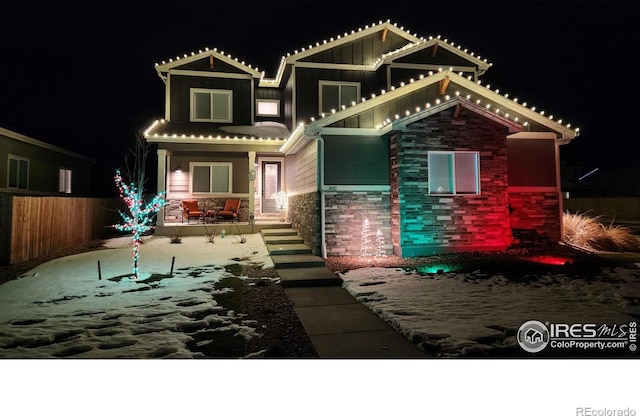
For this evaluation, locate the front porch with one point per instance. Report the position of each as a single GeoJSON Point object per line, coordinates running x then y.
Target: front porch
{"type": "Point", "coordinates": [236, 228]}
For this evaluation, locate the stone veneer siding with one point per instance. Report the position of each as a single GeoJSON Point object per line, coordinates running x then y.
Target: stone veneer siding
{"type": "Point", "coordinates": [537, 210]}
{"type": "Point", "coordinates": [426, 225]}
{"type": "Point", "coordinates": [303, 213]}
{"type": "Point", "coordinates": [344, 216]}
{"type": "Point", "coordinates": [173, 209]}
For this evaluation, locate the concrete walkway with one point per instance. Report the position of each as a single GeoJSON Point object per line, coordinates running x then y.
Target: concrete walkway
{"type": "Point", "coordinates": [339, 326]}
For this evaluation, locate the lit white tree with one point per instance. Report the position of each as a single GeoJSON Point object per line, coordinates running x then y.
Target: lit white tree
{"type": "Point", "coordinates": [380, 250]}
{"type": "Point", "coordinates": [281, 202]}
{"type": "Point", "coordinates": [140, 215]}
{"type": "Point", "coordinates": [364, 246]}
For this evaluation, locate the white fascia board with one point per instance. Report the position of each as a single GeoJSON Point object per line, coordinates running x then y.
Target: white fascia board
{"type": "Point", "coordinates": [391, 56]}
{"type": "Point", "coordinates": [566, 133]}
{"type": "Point", "coordinates": [349, 131]}
{"type": "Point", "coordinates": [197, 56]}
{"type": "Point", "coordinates": [342, 67]}
{"type": "Point", "coordinates": [348, 37]}
{"type": "Point", "coordinates": [402, 123]}
{"type": "Point", "coordinates": [296, 136]}
{"type": "Point", "coordinates": [161, 138]}
{"type": "Point", "coordinates": [430, 67]}
{"type": "Point", "coordinates": [533, 135]}
{"type": "Point", "coordinates": [206, 74]}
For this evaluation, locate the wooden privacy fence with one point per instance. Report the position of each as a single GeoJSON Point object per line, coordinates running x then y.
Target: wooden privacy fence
{"type": "Point", "coordinates": [42, 225]}
{"type": "Point", "coordinates": [618, 209]}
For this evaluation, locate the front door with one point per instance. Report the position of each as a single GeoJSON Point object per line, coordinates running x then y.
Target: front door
{"type": "Point", "coordinates": [271, 178]}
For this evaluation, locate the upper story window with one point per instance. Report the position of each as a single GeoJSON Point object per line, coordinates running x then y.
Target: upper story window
{"type": "Point", "coordinates": [18, 175]}
{"type": "Point", "coordinates": [454, 173]}
{"type": "Point", "coordinates": [268, 107]}
{"type": "Point", "coordinates": [211, 105]}
{"type": "Point", "coordinates": [334, 95]}
{"type": "Point", "coordinates": [64, 181]}
{"type": "Point", "coordinates": [211, 177]}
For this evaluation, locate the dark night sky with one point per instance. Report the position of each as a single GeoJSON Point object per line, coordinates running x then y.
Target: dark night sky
{"type": "Point", "coordinates": [81, 75]}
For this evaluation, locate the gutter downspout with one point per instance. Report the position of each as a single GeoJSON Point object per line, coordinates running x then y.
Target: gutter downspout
{"type": "Point", "coordinates": [315, 135]}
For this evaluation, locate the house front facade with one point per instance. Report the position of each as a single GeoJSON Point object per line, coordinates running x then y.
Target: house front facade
{"type": "Point", "coordinates": [375, 131]}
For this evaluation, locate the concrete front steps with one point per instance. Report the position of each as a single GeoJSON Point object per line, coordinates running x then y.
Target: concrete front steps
{"type": "Point", "coordinates": [294, 261]}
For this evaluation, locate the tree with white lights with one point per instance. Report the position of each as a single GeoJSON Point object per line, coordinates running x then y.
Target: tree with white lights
{"type": "Point", "coordinates": [140, 215]}
{"type": "Point", "coordinates": [364, 246]}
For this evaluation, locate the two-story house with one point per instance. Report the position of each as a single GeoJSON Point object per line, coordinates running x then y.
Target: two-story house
{"type": "Point", "coordinates": [375, 123]}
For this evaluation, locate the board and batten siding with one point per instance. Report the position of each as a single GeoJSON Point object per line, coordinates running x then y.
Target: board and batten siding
{"type": "Point", "coordinates": [356, 160]}
{"type": "Point", "coordinates": [364, 51]}
{"type": "Point", "coordinates": [180, 97]}
{"type": "Point", "coordinates": [307, 83]}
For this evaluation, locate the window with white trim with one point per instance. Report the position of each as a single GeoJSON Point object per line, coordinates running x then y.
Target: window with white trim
{"type": "Point", "coordinates": [64, 180]}
{"type": "Point", "coordinates": [211, 105]}
{"type": "Point", "coordinates": [454, 173]}
{"type": "Point", "coordinates": [211, 177]}
{"type": "Point", "coordinates": [18, 172]}
{"type": "Point", "coordinates": [266, 107]}
{"type": "Point", "coordinates": [334, 95]}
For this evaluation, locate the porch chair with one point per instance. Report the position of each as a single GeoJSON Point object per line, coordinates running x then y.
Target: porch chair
{"type": "Point", "coordinates": [231, 210]}
{"type": "Point", "coordinates": [190, 209]}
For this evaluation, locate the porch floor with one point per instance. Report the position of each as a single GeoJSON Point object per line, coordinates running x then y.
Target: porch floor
{"type": "Point", "coordinates": [200, 228]}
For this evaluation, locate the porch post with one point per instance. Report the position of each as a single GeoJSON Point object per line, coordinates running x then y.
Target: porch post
{"type": "Point", "coordinates": [161, 182]}
{"type": "Point", "coordinates": [252, 183]}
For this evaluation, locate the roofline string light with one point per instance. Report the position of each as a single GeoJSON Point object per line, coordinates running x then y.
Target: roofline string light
{"type": "Point", "coordinates": [276, 80]}
{"type": "Point", "coordinates": [147, 133]}
{"type": "Point", "coordinates": [421, 41]}
{"type": "Point", "coordinates": [469, 97]}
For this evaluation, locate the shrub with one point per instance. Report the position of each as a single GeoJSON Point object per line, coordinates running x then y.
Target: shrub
{"type": "Point", "coordinates": [589, 233]}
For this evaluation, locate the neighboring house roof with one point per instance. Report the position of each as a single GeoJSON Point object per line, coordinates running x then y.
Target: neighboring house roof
{"type": "Point", "coordinates": [26, 139]}
{"type": "Point", "coordinates": [444, 88]}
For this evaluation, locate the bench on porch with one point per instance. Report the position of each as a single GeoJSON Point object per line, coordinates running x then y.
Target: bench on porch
{"type": "Point", "coordinates": [529, 237]}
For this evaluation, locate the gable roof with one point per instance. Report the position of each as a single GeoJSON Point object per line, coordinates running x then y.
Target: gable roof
{"type": "Point", "coordinates": [442, 90]}
{"type": "Point", "coordinates": [413, 43]}
{"type": "Point", "coordinates": [179, 61]}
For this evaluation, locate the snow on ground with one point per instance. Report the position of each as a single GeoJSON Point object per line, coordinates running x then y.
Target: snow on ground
{"type": "Point", "coordinates": [62, 308]}
{"type": "Point", "coordinates": [472, 314]}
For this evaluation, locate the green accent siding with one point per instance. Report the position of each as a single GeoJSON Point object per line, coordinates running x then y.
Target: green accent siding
{"type": "Point", "coordinates": [356, 160]}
